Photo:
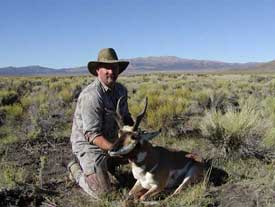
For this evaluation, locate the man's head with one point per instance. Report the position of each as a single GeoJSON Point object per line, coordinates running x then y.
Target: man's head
{"type": "Point", "coordinates": [108, 66]}
{"type": "Point", "coordinates": [107, 73]}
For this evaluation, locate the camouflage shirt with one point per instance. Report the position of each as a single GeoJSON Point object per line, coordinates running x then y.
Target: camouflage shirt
{"type": "Point", "coordinates": [92, 114]}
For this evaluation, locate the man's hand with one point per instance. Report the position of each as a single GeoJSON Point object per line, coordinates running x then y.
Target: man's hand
{"type": "Point", "coordinates": [103, 143]}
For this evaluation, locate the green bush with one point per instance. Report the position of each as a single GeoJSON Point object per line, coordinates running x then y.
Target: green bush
{"type": "Point", "coordinates": [8, 97]}
{"type": "Point", "coordinates": [164, 103]}
{"type": "Point", "coordinates": [269, 140]}
{"type": "Point", "coordinates": [11, 175]}
{"type": "Point", "coordinates": [13, 112]}
{"type": "Point", "coordinates": [57, 85]}
{"type": "Point", "coordinates": [234, 129]}
{"type": "Point", "coordinates": [269, 106]}
{"type": "Point", "coordinates": [26, 101]}
{"type": "Point", "coordinates": [10, 134]}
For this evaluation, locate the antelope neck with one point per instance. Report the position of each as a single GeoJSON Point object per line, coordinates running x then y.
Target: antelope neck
{"type": "Point", "coordinates": [149, 158]}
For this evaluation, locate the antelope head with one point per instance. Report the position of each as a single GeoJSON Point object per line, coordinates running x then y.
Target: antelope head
{"type": "Point", "coordinates": [130, 136]}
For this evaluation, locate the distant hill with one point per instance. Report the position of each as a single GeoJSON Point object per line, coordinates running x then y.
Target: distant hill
{"type": "Point", "coordinates": [26, 71]}
{"type": "Point", "coordinates": [268, 67]}
{"type": "Point", "coordinates": [137, 65]}
{"type": "Point", "coordinates": [264, 67]}
{"type": "Point", "coordinates": [172, 63]}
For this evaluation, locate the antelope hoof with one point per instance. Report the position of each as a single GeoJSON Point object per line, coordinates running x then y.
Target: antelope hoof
{"type": "Point", "coordinates": [142, 198]}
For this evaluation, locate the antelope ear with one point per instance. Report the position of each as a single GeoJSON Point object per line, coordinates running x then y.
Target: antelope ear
{"type": "Point", "coordinates": [146, 136]}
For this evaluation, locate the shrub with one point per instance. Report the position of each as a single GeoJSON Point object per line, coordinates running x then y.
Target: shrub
{"type": "Point", "coordinates": [13, 112]}
{"type": "Point", "coordinates": [65, 94]}
{"type": "Point", "coordinates": [8, 139]}
{"type": "Point", "coordinates": [234, 129]}
{"type": "Point", "coordinates": [11, 175]}
{"type": "Point", "coordinates": [269, 106]}
{"type": "Point", "coordinates": [2, 116]}
{"type": "Point", "coordinates": [23, 87]}
{"type": "Point", "coordinates": [164, 103]}
{"type": "Point", "coordinates": [269, 140]}
{"type": "Point", "coordinates": [220, 100]}
{"type": "Point", "coordinates": [47, 119]}
{"type": "Point", "coordinates": [8, 97]}
{"type": "Point", "coordinates": [202, 98]}
{"type": "Point", "coordinates": [56, 86]}
{"type": "Point", "coordinates": [26, 101]}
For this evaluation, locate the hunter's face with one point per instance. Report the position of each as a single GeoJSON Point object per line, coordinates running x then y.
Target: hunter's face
{"type": "Point", "coordinates": [108, 74]}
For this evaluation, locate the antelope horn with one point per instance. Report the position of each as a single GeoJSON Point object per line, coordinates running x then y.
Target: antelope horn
{"type": "Point", "coordinates": [140, 116]}
{"type": "Point", "coordinates": [124, 150]}
{"type": "Point", "coordinates": [118, 116]}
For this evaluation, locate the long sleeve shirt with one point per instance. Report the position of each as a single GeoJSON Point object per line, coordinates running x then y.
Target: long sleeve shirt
{"type": "Point", "coordinates": [93, 114]}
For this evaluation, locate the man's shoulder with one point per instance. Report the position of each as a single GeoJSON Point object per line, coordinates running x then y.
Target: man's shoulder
{"type": "Point", "coordinates": [92, 90]}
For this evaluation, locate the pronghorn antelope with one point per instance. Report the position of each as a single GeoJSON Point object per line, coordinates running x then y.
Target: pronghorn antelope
{"type": "Point", "coordinates": [155, 168]}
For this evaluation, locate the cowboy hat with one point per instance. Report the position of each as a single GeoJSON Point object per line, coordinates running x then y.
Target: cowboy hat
{"type": "Point", "coordinates": [107, 56]}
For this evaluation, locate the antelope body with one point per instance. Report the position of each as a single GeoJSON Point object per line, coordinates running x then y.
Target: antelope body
{"type": "Point", "coordinates": [155, 168]}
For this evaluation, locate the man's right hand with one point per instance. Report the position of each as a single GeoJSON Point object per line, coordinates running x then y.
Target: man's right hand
{"type": "Point", "coordinates": [102, 143]}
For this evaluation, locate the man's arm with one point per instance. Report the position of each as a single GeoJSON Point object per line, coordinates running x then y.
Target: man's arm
{"type": "Point", "coordinates": [92, 113]}
{"type": "Point", "coordinates": [99, 141]}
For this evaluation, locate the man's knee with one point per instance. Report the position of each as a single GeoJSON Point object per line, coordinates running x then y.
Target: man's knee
{"type": "Point", "coordinates": [95, 170]}
{"type": "Point", "coordinates": [98, 182]}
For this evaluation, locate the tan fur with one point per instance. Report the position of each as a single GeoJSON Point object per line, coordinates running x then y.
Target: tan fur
{"type": "Point", "coordinates": [163, 168]}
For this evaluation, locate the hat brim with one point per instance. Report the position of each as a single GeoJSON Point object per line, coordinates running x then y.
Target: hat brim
{"type": "Point", "coordinates": [93, 65]}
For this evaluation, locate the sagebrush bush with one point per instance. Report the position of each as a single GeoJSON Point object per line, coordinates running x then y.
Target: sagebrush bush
{"type": "Point", "coordinates": [13, 112]}
{"type": "Point", "coordinates": [9, 139]}
{"type": "Point", "coordinates": [164, 103]}
{"type": "Point", "coordinates": [269, 139]}
{"type": "Point", "coordinates": [56, 86]}
{"type": "Point", "coordinates": [65, 94]}
{"type": "Point", "coordinates": [11, 175]}
{"type": "Point", "coordinates": [8, 97]}
{"type": "Point", "coordinates": [269, 107]}
{"type": "Point", "coordinates": [235, 128]}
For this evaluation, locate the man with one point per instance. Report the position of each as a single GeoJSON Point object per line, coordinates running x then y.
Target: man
{"type": "Point", "coordinates": [94, 127]}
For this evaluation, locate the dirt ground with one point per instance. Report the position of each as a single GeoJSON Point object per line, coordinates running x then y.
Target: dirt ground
{"type": "Point", "coordinates": [50, 186]}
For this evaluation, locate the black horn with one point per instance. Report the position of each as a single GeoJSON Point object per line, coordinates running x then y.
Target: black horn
{"type": "Point", "coordinates": [118, 117]}
{"type": "Point", "coordinates": [140, 116]}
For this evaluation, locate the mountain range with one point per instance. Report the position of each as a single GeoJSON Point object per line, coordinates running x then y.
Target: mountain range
{"type": "Point", "coordinates": [145, 65]}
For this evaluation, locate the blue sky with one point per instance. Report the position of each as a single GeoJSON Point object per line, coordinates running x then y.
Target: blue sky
{"type": "Point", "coordinates": [69, 33]}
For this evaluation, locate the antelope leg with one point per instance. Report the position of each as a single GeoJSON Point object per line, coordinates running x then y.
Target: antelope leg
{"type": "Point", "coordinates": [191, 176]}
{"type": "Point", "coordinates": [183, 184]}
{"type": "Point", "coordinates": [151, 192]}
{"type": "Point", "coordinates": [137, 190]}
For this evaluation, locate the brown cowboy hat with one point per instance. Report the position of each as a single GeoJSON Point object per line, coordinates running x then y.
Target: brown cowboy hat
{"type": "Point", "coordinates": [107, 56]}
